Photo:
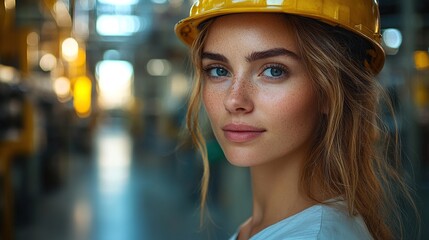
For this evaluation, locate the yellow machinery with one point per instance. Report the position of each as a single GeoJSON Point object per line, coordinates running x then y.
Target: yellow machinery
{"type": "Point", "coordinates": [16, 134]}
{"type": "Point", "coordinates": [17, 126]}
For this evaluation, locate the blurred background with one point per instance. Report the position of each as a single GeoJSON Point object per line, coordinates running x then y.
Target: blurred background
{"type": "Point", "coordinates": [92, 104]}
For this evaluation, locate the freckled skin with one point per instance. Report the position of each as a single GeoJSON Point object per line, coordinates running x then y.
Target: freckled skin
{"type": "Point", "coordinates": [285, 108]}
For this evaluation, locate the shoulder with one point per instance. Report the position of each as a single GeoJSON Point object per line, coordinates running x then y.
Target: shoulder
{"type": "Point", "coordinates": [319, 222]}
{"type": "Point", "coordinates": [336, 223]}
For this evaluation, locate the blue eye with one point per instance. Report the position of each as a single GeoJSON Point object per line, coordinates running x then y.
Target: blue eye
{"type": "Point", "coordinates": [274, 72]}
{"type": "Point", "coordinates": [217, 72]}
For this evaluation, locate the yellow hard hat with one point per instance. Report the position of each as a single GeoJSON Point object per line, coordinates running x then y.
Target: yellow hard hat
{"type": "Point", "coordinates": [361, 17]}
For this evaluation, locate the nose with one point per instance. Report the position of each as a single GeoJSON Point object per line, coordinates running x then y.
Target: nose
{"type": "Point", "coordinates": [239, 97]}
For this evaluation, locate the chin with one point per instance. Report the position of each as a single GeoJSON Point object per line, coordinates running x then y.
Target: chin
{"type": "Point", "coordinates": [239, 163]}
{"type": "Point", "coordinates": [239, 159]}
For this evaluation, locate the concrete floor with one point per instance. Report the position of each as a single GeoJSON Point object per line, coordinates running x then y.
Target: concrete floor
{"type": "Point", "coordinates": [126, 191]}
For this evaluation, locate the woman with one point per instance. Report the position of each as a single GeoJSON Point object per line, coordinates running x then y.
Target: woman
{"type": "Point", "coordinates": [289, 90]}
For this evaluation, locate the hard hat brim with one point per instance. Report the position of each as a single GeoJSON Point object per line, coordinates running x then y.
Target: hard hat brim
{"type": "Point", "coordinates": [188, 29]}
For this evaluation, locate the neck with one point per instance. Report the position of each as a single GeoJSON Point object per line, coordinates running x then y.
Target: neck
{"type": "Point", "coordinates": [276, 193]}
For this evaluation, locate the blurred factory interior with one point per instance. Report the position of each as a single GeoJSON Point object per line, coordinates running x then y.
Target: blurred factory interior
{"type": "Point", "coordinates": [92, 102]}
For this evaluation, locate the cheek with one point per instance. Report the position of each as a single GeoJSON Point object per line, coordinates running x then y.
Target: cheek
{"type": "Point", "coordinates": [296, 112]}
{"type": "Point", "coordinates": [212, 101]}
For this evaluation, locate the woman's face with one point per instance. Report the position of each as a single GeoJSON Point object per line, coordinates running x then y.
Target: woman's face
{"type": "Point", "coordinates": [256, 91]}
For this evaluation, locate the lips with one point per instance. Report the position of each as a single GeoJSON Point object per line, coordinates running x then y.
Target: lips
{"type": "Point", "coordinates": [240, 133]}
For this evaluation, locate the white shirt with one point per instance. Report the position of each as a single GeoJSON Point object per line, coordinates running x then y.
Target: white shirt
{"type": "Point", "coordinates": [321, 222]}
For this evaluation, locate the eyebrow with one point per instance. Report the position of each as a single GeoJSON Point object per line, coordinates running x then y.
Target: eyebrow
{"type": "Point", "coordinates": [214, 56]}
{"type": "Point", "coordinates": [271, 53]}
{"type": "Point", "coordinates": [253, 56]}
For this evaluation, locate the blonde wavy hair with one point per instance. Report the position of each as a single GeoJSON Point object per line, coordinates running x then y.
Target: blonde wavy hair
{"type": "Point", "coordinates": [354, 154]}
